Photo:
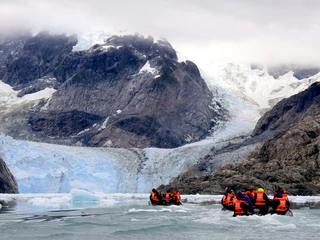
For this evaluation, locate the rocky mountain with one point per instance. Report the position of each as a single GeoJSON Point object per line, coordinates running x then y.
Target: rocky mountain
{"type": "Point", "coordinates": [289, 159]}
{"type": "Point", "coordinates": [290, 110]}
{"type": "Point", "coordinates": [8, 183]}
{"type": "Point", "coordinates": [129, 91]}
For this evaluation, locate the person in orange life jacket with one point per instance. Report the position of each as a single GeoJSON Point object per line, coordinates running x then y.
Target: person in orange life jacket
{"type": "Point", "coordinates": [262, 201]}
{"type": "Point", "coordinates": [167, 198]}
{"type": "Point", "coordinates": [227, 199]}
{"type": "Point", "coordinates": [280, 204]}
{"type": "Point", "coordinates": [155, 197]}
{"type": "Point", "coordinates": [241, 207]}
{"type": "Point", "coordinates": [176, 198]}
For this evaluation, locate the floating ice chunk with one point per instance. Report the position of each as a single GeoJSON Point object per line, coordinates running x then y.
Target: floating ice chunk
{"type": "Point", "coordinates": [82, 196]}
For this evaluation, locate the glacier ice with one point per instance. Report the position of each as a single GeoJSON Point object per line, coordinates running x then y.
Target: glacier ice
{"type": "Point", "coordinates": [49, 168]}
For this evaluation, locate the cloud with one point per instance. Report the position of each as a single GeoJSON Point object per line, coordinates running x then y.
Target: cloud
{"type": "Point", "coordinates": [249, 30]}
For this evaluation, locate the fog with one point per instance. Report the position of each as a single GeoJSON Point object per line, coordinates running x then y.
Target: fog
{"type": "Point", "coordinates": [272, 32]}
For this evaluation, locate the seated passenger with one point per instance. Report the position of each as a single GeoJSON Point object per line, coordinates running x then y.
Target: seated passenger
{"type": "Point", "coordinates": [247, 198]}
{"type": "Point", "coordinates": [241, 207]}
{"type": "Point", "coordinates": [167, 198]}
{"type": "Point", "coordinates": [176, 198]}
{"type": "Point", "coordinates": [262, 201]}
{"type": "Point", "coordinates": [251, 193]}
{"type": "Point", "coordinates": [227, 200]}
{"type": "Point", "coordinates": [280, 204]}
{"type": "Point", "coordinates": [155, 197]}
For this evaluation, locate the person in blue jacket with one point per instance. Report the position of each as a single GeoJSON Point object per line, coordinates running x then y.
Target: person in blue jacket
{"type": "Point", "coordinates": [247, 199]}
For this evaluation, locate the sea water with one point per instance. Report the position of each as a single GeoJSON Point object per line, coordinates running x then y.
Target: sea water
{"type": "Point", "coordinates": [130, 217]}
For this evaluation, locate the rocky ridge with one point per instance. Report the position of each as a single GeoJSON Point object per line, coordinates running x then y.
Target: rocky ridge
{"type": "Point", "coordinates": [8, 183]}
{"type": "Point", "coordinates": [290, 110]}
{"type": "Point", "coordinates": [291, 160]}
{"type": "Point", "coordinates": [128, 92]}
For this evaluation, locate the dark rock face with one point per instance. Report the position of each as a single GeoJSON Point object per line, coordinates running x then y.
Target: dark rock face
{"type": "Point", "coordinates": [7, 182]}
{"type": "Point", "coordinates": [37, 58]}
{"type": "Point", "coordinates": [290, 110]}
{"type": "Point", "coordinates": [129, 92]}
{"type": "Point", "coordinates": [290, 160]}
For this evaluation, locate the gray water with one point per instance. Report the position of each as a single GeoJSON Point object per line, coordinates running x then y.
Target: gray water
{"type": "Point", "coordinates": [142, 221]}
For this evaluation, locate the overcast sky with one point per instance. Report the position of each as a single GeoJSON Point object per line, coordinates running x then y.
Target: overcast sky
{"type": "Point", "coordinates": [276, 31]}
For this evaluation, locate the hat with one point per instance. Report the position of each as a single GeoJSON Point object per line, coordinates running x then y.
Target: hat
{"type": "Point", "coordinates": [279, 195]}
{"type": "Point", "coordinates": [260, 189]}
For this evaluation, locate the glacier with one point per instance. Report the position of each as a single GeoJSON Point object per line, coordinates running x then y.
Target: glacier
{"type": "Point", "coordinates": [50, 168]}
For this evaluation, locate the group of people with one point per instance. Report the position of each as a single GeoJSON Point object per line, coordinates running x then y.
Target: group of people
{"type": "Point", "coordinates": [167, 198]}
{"type": "Point", "coordinates": [254, 201]}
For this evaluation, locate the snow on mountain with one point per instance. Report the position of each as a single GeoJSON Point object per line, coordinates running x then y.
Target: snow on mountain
{"type": "Point", "coordinates": [248, 93]}
{"type": "Point", "coordinates": [256, 85]}
{"type": "Point", "coordinates": [8, 97]}
{"type": "Point", "coordinates": [148, 68]}
{"type": "Point", "coordinates": [86, 41]}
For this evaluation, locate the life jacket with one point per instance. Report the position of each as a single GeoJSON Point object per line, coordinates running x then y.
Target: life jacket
{"type": "Point", "coordinates": [237, 207]}
{"type": "Point", "coordinates": [285, 195]}
{"type": "Point", "coordinates": [168, 196]}
{"type": "Point", "coordinates": [176, 196]}
{"type": "Point", "coordinates": [252, 195]}
{"type": "Point", "coordinates": [282, 208]}
{"type": "Point", "coordinates": [229, 201]}
{"type": "Point", "coordinates": [260, 202]}
{"type": "Point", "coordinates": [246, 192]}
{"type": "Point", "coordinates": [154, 197]}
